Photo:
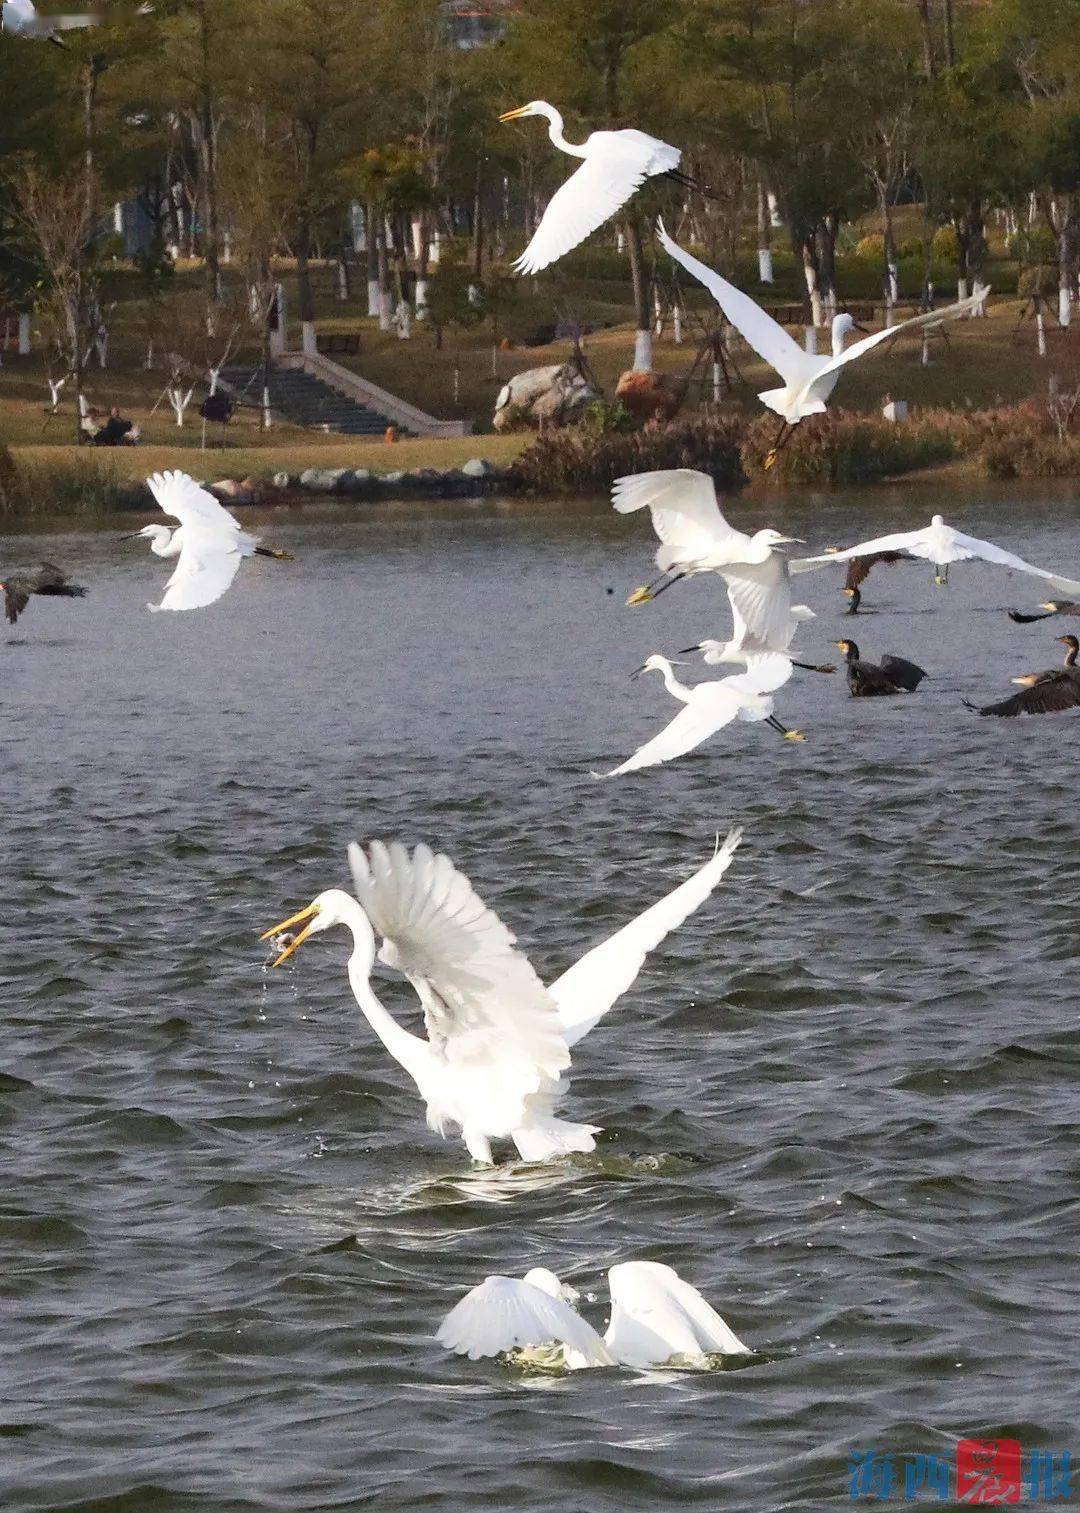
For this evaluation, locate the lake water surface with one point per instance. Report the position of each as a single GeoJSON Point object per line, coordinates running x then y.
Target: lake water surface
{"type": "Point", "coordinates": [842, 1100]}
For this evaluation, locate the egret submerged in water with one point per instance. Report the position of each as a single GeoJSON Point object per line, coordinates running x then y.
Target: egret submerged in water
{"type": "Point", "coordinates": [809, 379]}
{"type": "Point", "coordinates": [209, 542]}
{"type": "Point", "coordinates": [616, 164]}
{"type": "Point", "coordinates": [656, 1319]}
{"type": "Point", "coordinates": [498, 1041]}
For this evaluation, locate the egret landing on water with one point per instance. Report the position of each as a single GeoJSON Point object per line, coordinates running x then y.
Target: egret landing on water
{"type": "Point", "coordinates": [656, 1319]}
{"type": "Point", "coordinates": [808, 379]}
{"type": "Point", "coordinates": [209, 543]}
{"type": "Point", "coordinates": [49, 581]}
{"type": "Point", "coordinates": [709, 707]}
{"type": "Point", "coordinates": [498, 1042]}
{"type": "Point", "coordinates": [1049, 692]}
{"type": "Point", "coordinates": [616, 164]}
{"type": "Point", "coordinates": [942, 545]}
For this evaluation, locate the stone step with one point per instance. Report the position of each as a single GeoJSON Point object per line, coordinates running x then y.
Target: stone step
{"type": "Point", "coordinates": [306, 401]}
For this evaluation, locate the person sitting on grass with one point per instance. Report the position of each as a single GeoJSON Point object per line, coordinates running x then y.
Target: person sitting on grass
{"type": "Point", "coordinates": [117, 432]}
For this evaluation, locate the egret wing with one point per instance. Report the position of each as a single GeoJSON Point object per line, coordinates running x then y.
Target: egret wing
{"type": "Point", "coordinates": [767, 337]}
{"type": "Point", "coordinates": [587, 990]}
{"type": "Point", "coordinates": [917, 543]}
{"type": "Point", "coordinates": [503, 1314]}
{"type": "Point", "coordinates": [205, 570]}
{"type": "Point", "coordinates": [655, 1315]}
{"type": "Point", "coordinates": [915, 322]}
{"type": "Point", "coordinates": [711, 707]}
{"type": "Point", "coordinates": [975, 547]}
{"type": "Point", "coordinates": [486, 1009]}
{"type": "Point", "coordinates": [684, 508]}
{"type": "Point", "coordinates": [191, 504]}
{"type": "Point", "coordinates": [600, 187]}
{"type": "Point", "coordinates": [760, 595]}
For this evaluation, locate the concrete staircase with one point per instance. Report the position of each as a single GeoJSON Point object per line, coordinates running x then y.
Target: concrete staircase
{"type": "Point", "coordinates": [306, 400]}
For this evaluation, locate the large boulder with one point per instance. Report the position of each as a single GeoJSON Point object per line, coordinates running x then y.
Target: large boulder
{"type": "Point", "coordinates": [555, 395]}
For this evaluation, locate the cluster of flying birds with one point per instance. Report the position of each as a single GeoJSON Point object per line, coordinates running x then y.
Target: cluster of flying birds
{"type": "Point", "coordinates": [496, 1053]}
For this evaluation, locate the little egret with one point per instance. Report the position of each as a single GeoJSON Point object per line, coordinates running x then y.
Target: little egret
{"type": "Point", "coordinates": [656, 1319]}
{"type": "Point", "coordinates": [616, 164]}
{"type": "Point", "coordinates": [1049, 692]}
{"type": "Point", "coordinates": [1050, 608]}
{"type": "Point", "coordinates": [808, 379]}
{"type": "Point", "coordinates": [940, 544]}
{"type": "Point", "coordinates": [869, 680]}
{"type": "Point", "coordinates": [696, 538]}
{"type": "Point", "coordinates": [49, 581]}
{"type": "Point", "coordinates": [709, 707]}
{"type": "Point", "coordinates": [498, 1042]}
{"type": "Point", "coordinates": [209, 543]}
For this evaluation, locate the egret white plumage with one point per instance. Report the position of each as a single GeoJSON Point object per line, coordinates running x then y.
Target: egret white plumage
{"type": "Point", "coordinates": [656, 1319]}
{"type": "Point", "coordinates": [209, 542]}
{"type": "Point", "coordinates": [616, 164]}
{"type": "Point", "coordinates": [709, 707]}
{"type": "Point", "coordinates": [498, 1042]}
{"type": "Point", "coordinates": [808, 379]}
{"type": "Point", "coordinates": [942, 545]}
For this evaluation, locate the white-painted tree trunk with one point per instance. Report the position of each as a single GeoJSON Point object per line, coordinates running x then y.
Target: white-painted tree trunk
{"type": "Point", "coordinates": [101, 346]}
{"type": "Point", "coordinates": [893, 279]}
{"type": "Point", "coordinates": [774, 212]}
{"type": "Point", "coordinates": [342, 282]}
{"type": "Point", "coordinates": [386, 314]}
{"type": "Point", "coordinates": [765, 265]}
{"type": "Point", "coordinates": [118, 218]}
{"type": "Point", "coordinates": [24, 334]}
{"type": "Point", "coordinates": [962, 288]}
{"type": "Point", "coordinates": [620, 242]}
{"type": "Point", "coordinates": [423, 297]}
{"type": "Point", "coordinates": [309, 341]}
{"type": "Point", "coordinates": [1064, 307]}
{"type": "Point", "coordinates": [373, 296]}
{"type": "Point", "coordinates": [658, 314]}
{"type": "Point", "coordinates": [643, 352]}
{"type": "Point", "coordinates": [1040, 329]}
{"type": "Point", "coordinates": [676, 319]}
{"type": "Point", "coordinates": [925, 350]}
{"type": "Point", "coordinates": [716, 375]}
{"type": "Point", "coordinates": [435, 254]}
{"type": "Point", "coordinates": [179, 401]}
{"type": "Point", "coordinates": [357, 227]}
{"type": "Point", "coordinates": [267, 414]}
{"type": "Point", "coordinates": [810, 340]}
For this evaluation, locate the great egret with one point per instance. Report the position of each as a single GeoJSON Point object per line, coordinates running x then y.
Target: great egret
{"type": "Point", "coordinates": [498, 1042]}
{"type": "Point", "coordinates": [808, 379]}
{"type": "Point", "coordinates": [709, 707]}
{"type": "Point", "coordinates": [656, 1319]}
{"type": "Point", "coordinates": [49, 581]}
{"type": "Point", "coordinates": [696, 538]}
{"type": "Point", "coordinates": [209, 543]}
{"type": "Point", "coordinates": [870, 680]}
{"type": "Point", "coordinates": [21, 18]}
{"type": "Point", "coordinates": [616, 164]}
{"type": "Point", "coordinates": [1050, 607]}
{"type": "Point", "coordinates": [1049, 692]}
{"type": "Point", "coordinates": [941, 544]}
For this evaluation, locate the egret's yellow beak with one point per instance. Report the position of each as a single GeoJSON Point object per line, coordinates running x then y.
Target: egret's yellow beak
{"type": "Point", "coordinates": [309, 914]}
{"type": "Point", "coordinates": [513, 115]}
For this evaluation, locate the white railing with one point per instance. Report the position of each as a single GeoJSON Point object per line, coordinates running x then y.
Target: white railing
{"type": "Point", "coordinates": [346, 382]}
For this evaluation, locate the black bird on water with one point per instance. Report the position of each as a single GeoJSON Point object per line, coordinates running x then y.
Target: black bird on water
{"type": "Point", "coordinates": [860, 568]}
{"type": "Point", "coordinates": [48, 581]}
{"type": "Point", "coordinates": [867, 680]}
{"type": "Point", "coordinates": [1049, 692]}
{"type": "Point", "coordinates": [1051, 607]}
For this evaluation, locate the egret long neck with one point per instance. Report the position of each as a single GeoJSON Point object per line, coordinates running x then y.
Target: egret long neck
{"type": "Point", "coordinates": [555, 132]}
{"type": "Point", "coordinates": [412, 1052]}
{"type": "Point", "coordinates": [168, 544]}
{"type": "Point", "coordinates": [674, 687]}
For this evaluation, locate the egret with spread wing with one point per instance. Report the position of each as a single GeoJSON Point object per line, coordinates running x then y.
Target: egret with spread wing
{"type": "Point", "coordinates": [656, 1319]}
{"type": "Point", "coordinates": [942, 545]}
{"type": "Point", "coordinates": [808, 379]}
{"type": "Point", "coordinates": [616, 164]}
{"type": "Point", "coordinates": [209, 543]}
{"type": "Point", "coordinates": [695, 538]}
{"type": "Point", "coordinates": [709, 707]}
{"type": "Point", "coordinates": [498, 1042]}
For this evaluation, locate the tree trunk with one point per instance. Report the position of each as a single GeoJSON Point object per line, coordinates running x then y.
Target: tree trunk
{"type": "Point", "coordinates": [764, 241]}
{"type": "Point", "coordinates": [950, 34]}
{"type": "Point", "coordinates": [382, 263]}
{"type": "Point", "coordinates": [478, 220]}
{"type": "Point", "coordinates": [923, 7]}
{"type": "Point", "coordinates": [811, 273]}
{"type": "Point", "coordinates": [206, 134]}
{"type": "Point", "coordinates": [371, 239]}
{"type": "Point", "coordinates": [643, 335]}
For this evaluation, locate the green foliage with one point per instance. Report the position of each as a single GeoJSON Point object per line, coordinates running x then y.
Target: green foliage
{"type": "Point", "coordinates": [1034, 244]}
{"type": "Point", "coordinates": [946, 245]}
{"type": "Point", "coordinates": [872, 249]}
{"type": "Point", "coordinates": [579, 459]}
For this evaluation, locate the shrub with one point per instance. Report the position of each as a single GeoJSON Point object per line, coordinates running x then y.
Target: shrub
{"type": "Point", "coordinates": [77, 486]}
{"type": "Point", "coordinates": [872, 248]}
{"type": "Point", "coordinates": [579, 459]}
{"type": "Point", "coordinates": [844, 447]}
{"type": "Point", "coordinates": [946, 245]}
{"type": "Point", "coordinates": [912, 246]}
{"type": "Point", "coordinates": [1035, 244]}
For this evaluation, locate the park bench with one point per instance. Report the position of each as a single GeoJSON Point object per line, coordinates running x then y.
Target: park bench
{"type": "Point", "coordinates": [339, 343]}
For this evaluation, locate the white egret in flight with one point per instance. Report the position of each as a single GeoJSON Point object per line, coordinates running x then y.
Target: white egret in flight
{"type": "Point", "coordinates": [940, 544]}
{"type": "Point", "coordinates": [498, 1042]}
{"type": "Point", "coordinates": [209, 542]}
{"type": "Point", "coordinates": [616, 164]}
{"type": "Point", "coordinates": [709, 707]}
{"type": "Point", "coordinates": [808, 379]}
{"type": "Point", "coordinates": [656, 1319]}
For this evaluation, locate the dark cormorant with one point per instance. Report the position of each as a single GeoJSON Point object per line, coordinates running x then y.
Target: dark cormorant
{"type": "Point", "coordinates": [859, 569]}
{"type": "Point", "coordinates": [48, 581]}
{"type": "Point", "coordinates": [867, 680]}
{"type": "Point", "coordinates": [1049, 692]}
{"type": "Point", "coordinates": [1051, 606]}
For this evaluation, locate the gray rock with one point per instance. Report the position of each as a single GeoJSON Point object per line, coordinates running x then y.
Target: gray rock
{"type": "Point", "coordinates": [321, 480]}
{"type": "Point", "coordinates": [284, 481]}
{"type": "Point", "coordinates": [477, 467]}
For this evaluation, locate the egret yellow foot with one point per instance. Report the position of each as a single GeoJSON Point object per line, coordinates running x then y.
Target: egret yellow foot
{"type": "Point", "coordinates": [770, 459]}
{"type": "Point", "coordinates": [940, 581]}
{"type": "Point", "coordinates": [640, 595]}
{"type": "Point", "coordinates": [794, 735]}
